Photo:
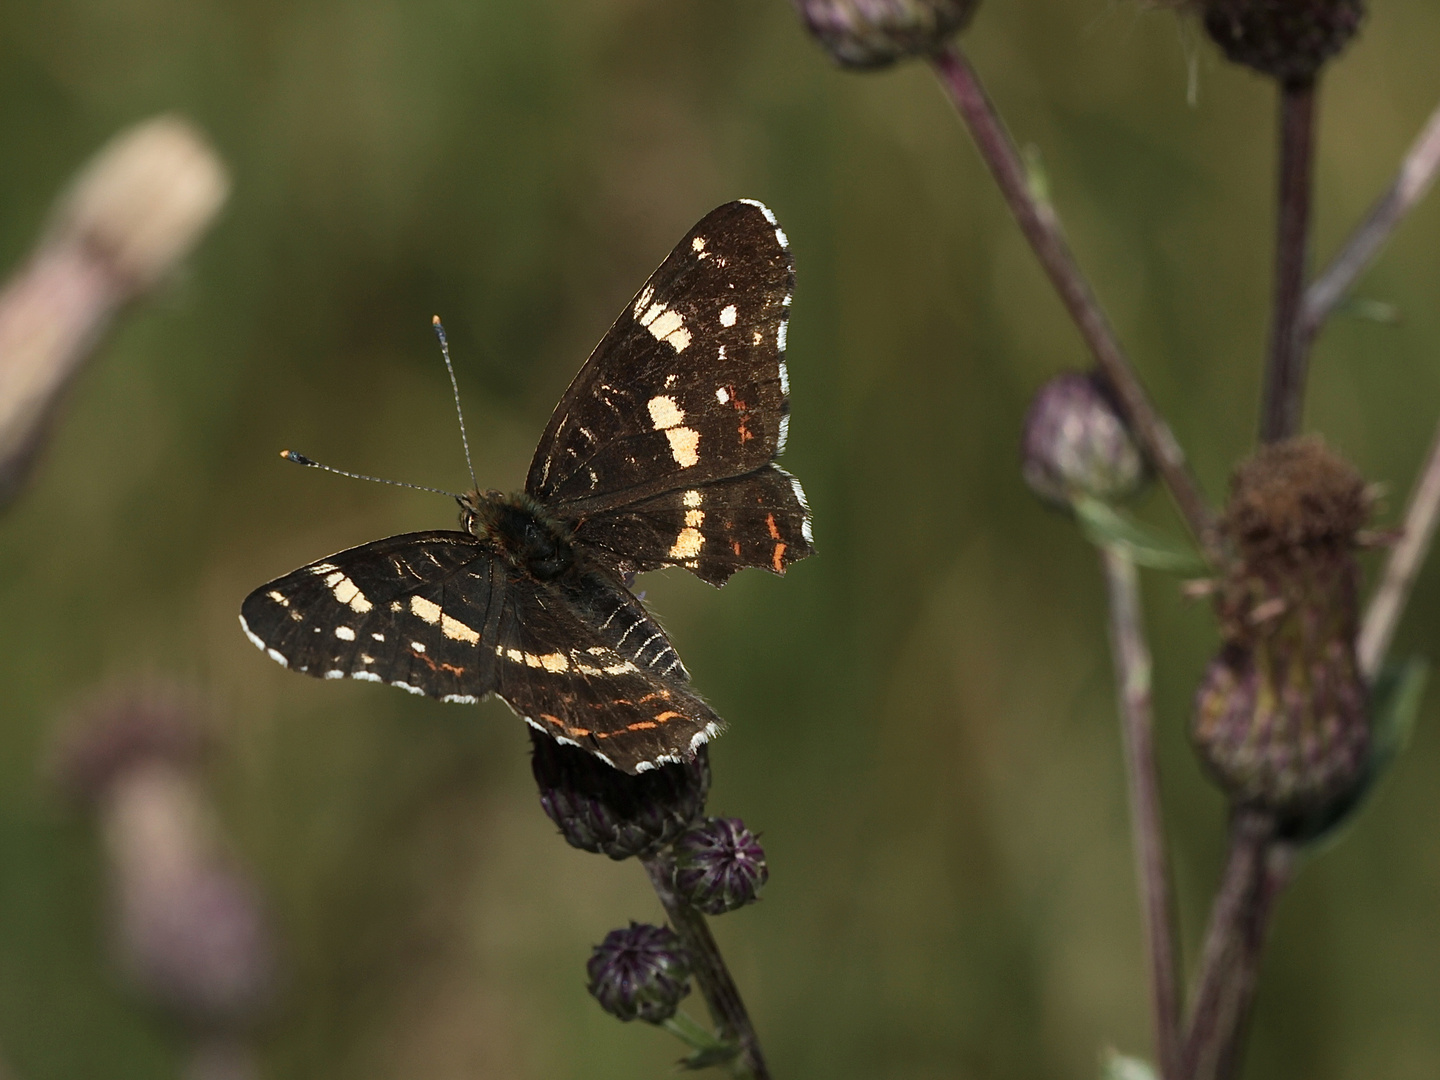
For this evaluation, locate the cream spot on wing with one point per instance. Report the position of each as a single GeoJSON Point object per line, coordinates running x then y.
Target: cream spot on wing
{"type": "Point", "coordinates": [727, 315]}
{"type": "Point", "coordinates": [427, 610]}
{"type": "Point", "coordinates": [722, 352]}
{"type": "Point", "coordinates": [514, 654]}
{"type": "Point", "coordinates": [643, 300]}
{"type": "Point", "coordinates": [347, 592]}
{"type": "Point", "coordinates": [378, 637]}
{"type": "Point", "coordinates": [366, 658]}
{"type": "Point", "coordinates": [756, 338]}
{"type": "Point", "coordinates": [722, 395]}
{"type": "Point", "coordinates": [698, 244]}
{"type": "Point", "coordinates": [278, 597]}
{"type": "Point", "coordinates": [554, 662]}
{"type": "Point", "coordinates": [688, 544]}
{"type": "Point", "coordinates": [666, 324]}
{"type": "Point", "coordinates": [691, 498]}
{"type": "Point", "coordinates": [418, 646]}
{"type": "Point", "coordinates": [344, 633]}
{"type": "Point", "coordinates": [684, 445]}
{"type": "Point", "coordinates": [664, 413]}
{"type": "Point", "coordinates": [456, 630]}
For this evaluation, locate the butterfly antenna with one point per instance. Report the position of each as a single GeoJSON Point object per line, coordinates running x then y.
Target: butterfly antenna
{"type": "Point", "coordinates": [455, 389]}
{"type": "Point", "coordinates": [300, 459]}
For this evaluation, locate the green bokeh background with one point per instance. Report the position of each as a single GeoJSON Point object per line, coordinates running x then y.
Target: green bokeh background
{"type": "Point", "coordinates": [921, 716]}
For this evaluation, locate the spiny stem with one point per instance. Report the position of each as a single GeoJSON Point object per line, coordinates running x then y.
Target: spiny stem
{"type": "Point", "coordinates": [722, 997]}
{"type": "Point", "coordinates": [1284, 395]}
{"type": "Point", "coordinates": [1042, 229]}
{"type": "Point", "coordinates": [1417, 173]}
{"type": "Point", "coordinates": [1132, 678]}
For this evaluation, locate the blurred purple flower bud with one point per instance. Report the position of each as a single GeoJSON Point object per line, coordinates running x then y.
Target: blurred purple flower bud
{"type": "Point", "coordinates": [190, 930]}
{"type": "Point", "coordinates": [639, 973]}
{"type": "Point", "coordinates": [719, 866]}
{"type": "Point", "coordinates": [598, 808]}
{"type": "Point", "coordinates": [875, 33]}
{"type": "Point", "coordinates": [1287, 39]}
{"type": "Point", "coordinates": [1076, 443]}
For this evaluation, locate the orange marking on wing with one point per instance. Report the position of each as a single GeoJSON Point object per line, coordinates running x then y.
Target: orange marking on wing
{"type": "Point", "coordinates": [452, 669]}
{"type": "Point", "coordinates": [667, 716]}
{"type": "Point", "coordinates": [736, 546]}
{"type": "Point", "coordinates": [578, 732]}
{"type": "Point", "coordinates": [745, 435]}
{"type": "Point", "coordinates": [779, 567]}
{"type": "Point", "coordinates": [641, 725]}
{"type": "Point", "coordinates": [770, 523]}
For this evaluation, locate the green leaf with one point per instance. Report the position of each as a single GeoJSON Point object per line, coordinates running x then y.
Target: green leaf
{"type": "Point", "coordinates": [1395, 698]}
{"type": "Point", "coordinates": [1357, 307]}
{"type": "Point", "coordinates": [1104, 525]}
{"type": "Point", "coordinates": [709, 1050]}
{"type": "Point", "coordinates": [1119, 1067]}
{"type": "Point", "coordinates": [1036, 178]}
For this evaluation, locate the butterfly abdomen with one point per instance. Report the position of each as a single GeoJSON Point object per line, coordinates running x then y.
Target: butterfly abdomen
{"type": "Point", "coordinates": [525, 536]}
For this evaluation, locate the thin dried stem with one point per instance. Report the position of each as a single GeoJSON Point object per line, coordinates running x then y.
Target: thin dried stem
{"type": "Point", "coordinates": [1132, 678]}
{"type": "Point", "coordinates": [722, 997]}
{"type": "Point", "coordinates": [1212, 1011]}
{"type": "Point", "coordinates": [1417, 174]}
{"type": "Point", "coordinates": [1382, 615]}
{"type": "Point", "coordinates": [1284, 397]}
{"type": "Point", "coordinates": [1042, 229]}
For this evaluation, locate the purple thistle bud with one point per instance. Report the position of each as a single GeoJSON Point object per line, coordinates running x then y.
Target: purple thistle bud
{"type": "Point", "coordinates": [639, 973]}
{"type": "Point", "coordinates": [1281, 717]}
{"type": "Point", "coordinates": [598, 808]}
{"type": "Point", "coordinates": [875, 33]}
{"type": "Point", "coordinates": [1076, 443]}
{"type": "Point", "coordinates": [1287, 39]}
{"type": "Point", "coordinates": [719, 866]}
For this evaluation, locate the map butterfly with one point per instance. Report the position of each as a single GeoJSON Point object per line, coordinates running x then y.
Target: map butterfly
{"type": "Point", "coordinates": [661, 453]}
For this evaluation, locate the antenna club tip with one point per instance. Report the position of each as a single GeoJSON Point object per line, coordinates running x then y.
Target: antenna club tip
{"type": "Point", "coordinates": [434, 320]}
{"type": "Point", "coordinates": [296, 456]}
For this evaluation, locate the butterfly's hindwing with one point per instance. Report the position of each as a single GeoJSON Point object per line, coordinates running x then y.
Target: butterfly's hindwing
{"type": "Point", "coordinates": [410, 610]}
{"type": "Point", "coordinates": [615, 688]}
{"type": "Point", "coordinates": [689, 385]}
{"type": "Point", "coordinates": [712, 529]}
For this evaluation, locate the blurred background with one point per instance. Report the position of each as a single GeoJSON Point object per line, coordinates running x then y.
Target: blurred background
{"type": "Point", "coordinates": [921, 716]}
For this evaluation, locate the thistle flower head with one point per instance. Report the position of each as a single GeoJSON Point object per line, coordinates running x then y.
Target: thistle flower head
{"type": "Point", "coordinates": [639, 973]}
{"type": "Point", "coordinates": [598, 808]}
{"type": "Point", "coordinates": [1280, 717]}
{"type": "Point", "coordinates": [719, 866]}
{"type": "Point", "coordinates": [1076, 443]}
{"type": "Point", "coordinates": [1287, 39]}
{"type": "Point", "coordinates": [875, 33]}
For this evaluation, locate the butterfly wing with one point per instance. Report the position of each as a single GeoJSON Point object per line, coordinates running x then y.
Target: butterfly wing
{"type": "Point", "coordinates": [438, 613]}
{"type": "Point", "coordinates": [412, 610]}
{"type": "Point", "coordinates": [586, 664]}
{"type": "Point", "coordinates": [689, 384]}
{"type": "Point", "coordinates": [713, 529]}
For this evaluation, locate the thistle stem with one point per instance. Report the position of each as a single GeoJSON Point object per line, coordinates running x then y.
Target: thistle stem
{"type": "Point", "coordinates": [1417, 173]}
{"type": "Point", "coordinates": [1213, 1012]}
{"type": "Point", "coordinates": [1279, 866]}
{"type": "Point", "coordinates": [722, 997]}
{"type": "Point", "coordinates": [1284, 399]}
{"type": "Point", "coordinates": [1132, 679]}
{"type": "Point", "coordinates": [1382, 616]}
{"type": "Point", "coordinates": [1041, 226]}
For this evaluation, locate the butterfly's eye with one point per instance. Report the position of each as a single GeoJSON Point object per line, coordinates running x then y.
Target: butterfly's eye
{"type": "Point", "coordinates": [467, 519]}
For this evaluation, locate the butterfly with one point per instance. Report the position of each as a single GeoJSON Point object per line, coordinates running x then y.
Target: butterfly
{"type": "Point", "coordinates": [661, 453]}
